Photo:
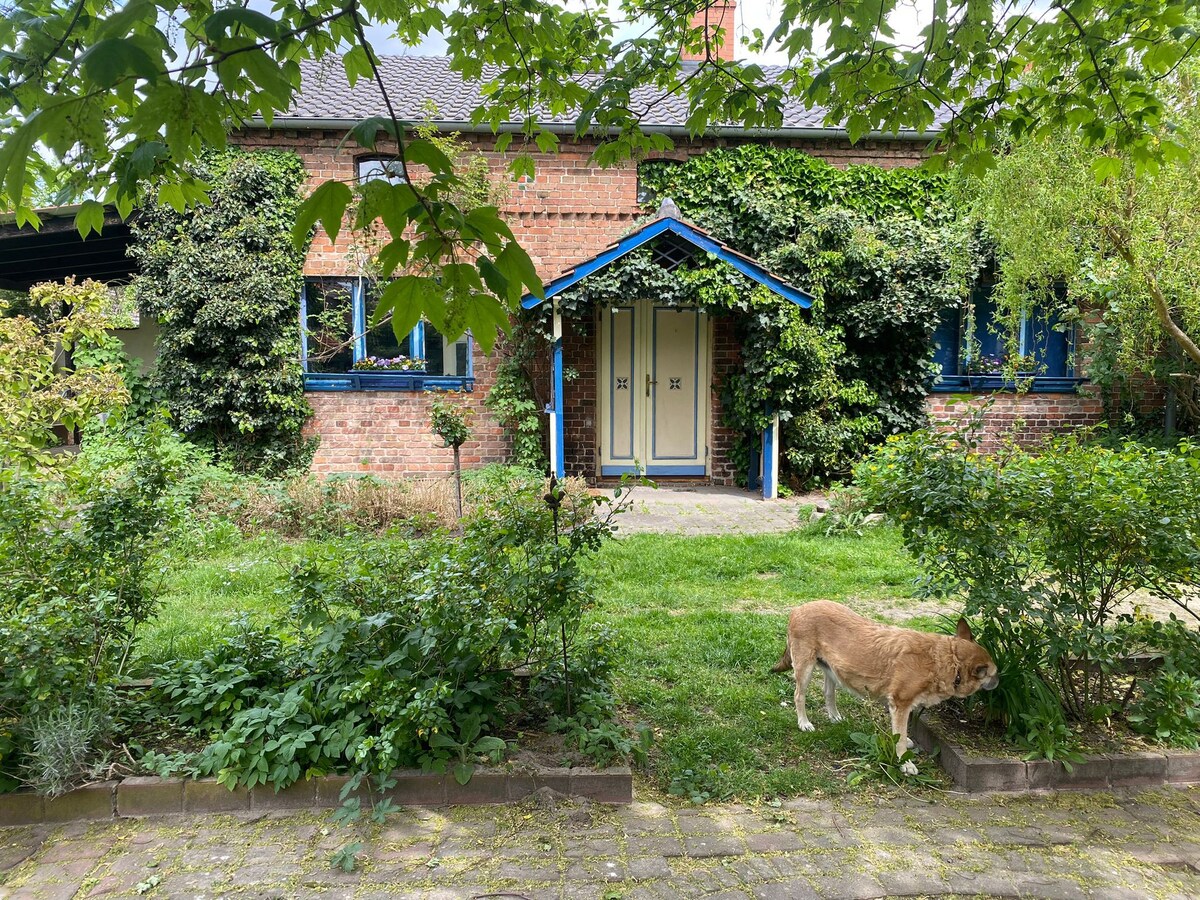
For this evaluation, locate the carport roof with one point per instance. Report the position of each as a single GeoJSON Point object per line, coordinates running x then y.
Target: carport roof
{"type": "Point", "coordinates": [56, 251]}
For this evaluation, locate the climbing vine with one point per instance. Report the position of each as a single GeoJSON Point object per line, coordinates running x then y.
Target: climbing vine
{"type": "Point", "coordinates": [224, 281]}
{"type": "Point", "coordinates": [881, 251]}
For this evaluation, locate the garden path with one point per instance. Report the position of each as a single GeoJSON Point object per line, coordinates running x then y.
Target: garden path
{"type": "Point", "coordinates": [710, 510]}
{"type": "Point", "coordinates": [1066, 846]}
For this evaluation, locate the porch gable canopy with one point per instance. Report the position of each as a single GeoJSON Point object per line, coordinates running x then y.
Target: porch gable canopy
{"type": "Point", "coordinates": [667, 224]}
{"type": "Point", "coordinates": [668, 221]}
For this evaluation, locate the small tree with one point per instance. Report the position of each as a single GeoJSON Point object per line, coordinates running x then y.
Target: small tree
{"type": "Point", "coordinates": [58, 366]}
{"type": "Point", "coordinates": [449, 422]}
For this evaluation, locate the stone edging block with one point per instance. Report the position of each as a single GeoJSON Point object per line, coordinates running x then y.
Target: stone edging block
{"type": "Point", "coordinates": [976, 774]}
{"type": "Point", "coordinates": [149, 796]}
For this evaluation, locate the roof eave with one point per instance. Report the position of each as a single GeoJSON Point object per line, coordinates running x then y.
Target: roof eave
{"type": "Point", "coordinates": [697, 237]}
{"type": "Point", "coordinates": [799, 132]}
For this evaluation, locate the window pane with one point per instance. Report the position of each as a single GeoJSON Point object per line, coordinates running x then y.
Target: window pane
{"type": "Point", "coordinates": [387, 169]}
{"type": "Point", "coordinates": [443, 357]}
{"type": "Point", "coordinates": [1048, 343]}
{"type": "Point", "coordinates": [989, 343]}
{"type": "Point", "coordinates": [945, 342]}
{"type": "Point", "coordinates": [381, 340]}
{"type": "Point", "coordinates": [329, 324]}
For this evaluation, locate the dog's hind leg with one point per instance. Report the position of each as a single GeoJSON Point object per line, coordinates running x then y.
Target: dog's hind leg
{"type": "Point", "coordinates": [802, 667]}
{"type": "Point", "coordinates": [831, 685]}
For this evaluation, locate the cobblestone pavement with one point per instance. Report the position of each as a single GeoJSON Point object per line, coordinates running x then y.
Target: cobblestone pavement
{"type": "Point", "coordinates": [1066, 846]}
{"type": "Point", "coordinates": [710, 510]}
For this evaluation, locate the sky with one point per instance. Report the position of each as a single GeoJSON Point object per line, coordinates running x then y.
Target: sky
{"type": "Point", "coordinates": [751, 14]}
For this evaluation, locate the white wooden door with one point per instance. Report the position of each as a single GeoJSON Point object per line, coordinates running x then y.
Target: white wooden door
{"type": "Point", "coordinates": [654, 397]}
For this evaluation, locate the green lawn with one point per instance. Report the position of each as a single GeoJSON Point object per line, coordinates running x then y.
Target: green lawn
{"type": "Point", "coordinates": [701, 621]}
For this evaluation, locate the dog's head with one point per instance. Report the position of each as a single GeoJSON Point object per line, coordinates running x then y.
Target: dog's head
{"type": "Point", "coordinates": [976, 671]}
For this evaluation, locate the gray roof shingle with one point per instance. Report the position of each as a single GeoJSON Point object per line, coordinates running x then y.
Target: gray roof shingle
{"type": "Point", "coordinates": [413, 82]}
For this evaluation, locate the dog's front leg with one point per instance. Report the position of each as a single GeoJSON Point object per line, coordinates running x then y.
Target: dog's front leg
{"type": "Point", "coordinates": [900, 713]}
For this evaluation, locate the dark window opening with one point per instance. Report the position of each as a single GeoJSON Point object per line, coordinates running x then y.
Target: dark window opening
{"type": "Point", "coordinates": [329, 324]}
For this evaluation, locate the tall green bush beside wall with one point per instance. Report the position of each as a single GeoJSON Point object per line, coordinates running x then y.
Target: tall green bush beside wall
{"type": "Point", "coordinates": [224, 280]}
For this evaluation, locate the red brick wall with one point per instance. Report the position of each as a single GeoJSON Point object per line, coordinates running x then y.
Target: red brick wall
{"type": "Point", "coordinates": [1030, 418]}
{"type": "Point", "coordinates": [580, 399]}
{"type": "Point", "coordinates": [726, 358]}
{"type": "Point", "coordinates": [387, 432]}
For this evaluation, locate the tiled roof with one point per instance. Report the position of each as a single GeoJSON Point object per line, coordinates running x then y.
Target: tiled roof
{"type": "Point", "coordinates": [415, 81]}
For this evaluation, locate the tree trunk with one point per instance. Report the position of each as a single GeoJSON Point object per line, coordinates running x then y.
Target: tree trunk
{"type": "Point", "coordinates": [458, 480]}
{"type": "Point", "coordinates": [1161, 309]}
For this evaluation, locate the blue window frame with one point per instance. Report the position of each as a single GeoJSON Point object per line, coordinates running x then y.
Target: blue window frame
{"type": "Point", "coordinates": [335, 315]}
{"type": "Point", "coordinates": [970, 351]}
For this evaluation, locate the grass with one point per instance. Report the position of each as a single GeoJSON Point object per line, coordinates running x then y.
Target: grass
{"type": "Point", "coordinates": [210, 586]}
{"type": "Point", "coordinates": [702, 621]}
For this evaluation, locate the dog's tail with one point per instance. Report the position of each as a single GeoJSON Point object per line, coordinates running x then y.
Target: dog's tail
{"type": "Point", "coordinates": [785, 661]}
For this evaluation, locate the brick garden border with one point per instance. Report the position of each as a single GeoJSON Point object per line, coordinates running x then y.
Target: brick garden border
{"type": "Point", "coordinates": [150, 796]}
{"type": "Point", "coordinates": [977, 774]}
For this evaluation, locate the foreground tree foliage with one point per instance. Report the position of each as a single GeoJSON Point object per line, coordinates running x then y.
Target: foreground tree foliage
{"type": "Point", "coordinates": [58, 367]}
{"type": "Point", "coordinates": [123, 95]}
{"type": "Point", "coordinates": [1121, 239]}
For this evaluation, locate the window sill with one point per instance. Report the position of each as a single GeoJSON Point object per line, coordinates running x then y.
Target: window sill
{"type": "Point", "coordinates": [386, 381]}
{"type": "Point", "coordinates": [1039, 384]}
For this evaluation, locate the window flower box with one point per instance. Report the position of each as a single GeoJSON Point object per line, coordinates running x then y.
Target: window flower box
{"type": "Point", "coordinates": [382, 365]}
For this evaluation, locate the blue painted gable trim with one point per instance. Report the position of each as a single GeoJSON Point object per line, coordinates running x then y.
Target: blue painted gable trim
{"type": "Point", "coordinates": [644, 235]}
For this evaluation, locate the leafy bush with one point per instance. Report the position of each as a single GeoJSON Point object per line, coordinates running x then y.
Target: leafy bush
{"type": "Point", "coordinates": [57, 368]}
{"type": "Point", "coordinates": [1044, 548]}
{"type": "Point", "coordinates": [80, 567]}
{"type": "Point", "coordinates": [401, 653]}
{"type": "Point", "coordinates": [224, 281]}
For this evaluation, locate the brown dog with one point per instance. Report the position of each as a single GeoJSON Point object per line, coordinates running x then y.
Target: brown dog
{"type": "Point", "coordinates": [909, 669]}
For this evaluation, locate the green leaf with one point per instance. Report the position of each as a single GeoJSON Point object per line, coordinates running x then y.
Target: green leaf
{"type": "Point", "coordinates": [89, 218]}
{"type": "Point", "coordinates": [328, 205]}
{"type": "Point", "coordinates": [226, 20]}
{"type": "Point", "coordinates": [108, 61]}
{"type": "Point", "coordinates": [406, 299]}
{"type": "Point", "coordinates": [486, 318]}
{"type": "Point", "coordinates": [463, 772]}
{"type": "Point", "coordinates": [424, 153]}
{"type": "Point", "coordinates": [1106, 167]}
{"type": "Point", "coordinates": [519, 269]}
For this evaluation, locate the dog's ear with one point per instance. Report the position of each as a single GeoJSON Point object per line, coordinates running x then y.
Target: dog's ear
{"type": "Point", "coordinates": [964, 631]}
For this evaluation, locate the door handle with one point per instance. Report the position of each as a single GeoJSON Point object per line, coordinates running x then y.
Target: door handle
{"type": "Point", "coordinates": [648, 383]}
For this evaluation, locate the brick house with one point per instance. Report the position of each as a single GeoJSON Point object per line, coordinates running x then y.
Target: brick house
{"type": "Point", "coordinates": [566, 217]}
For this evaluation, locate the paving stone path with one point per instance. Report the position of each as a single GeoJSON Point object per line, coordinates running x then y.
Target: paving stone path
{"type": "Point", "coordinates": [1073, 846]}
{"type": "Point", "coordinates": [710, 510]}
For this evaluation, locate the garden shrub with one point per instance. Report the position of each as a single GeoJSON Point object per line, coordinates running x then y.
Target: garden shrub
{"type": "Point", "coordinates": [1045, 548]}
{"type": "Point", "coordinates": [224, 282]}
{"type": "Point", "coordinates": [81, 560]}
{"type": "Point", "coordinates": [399, 653]}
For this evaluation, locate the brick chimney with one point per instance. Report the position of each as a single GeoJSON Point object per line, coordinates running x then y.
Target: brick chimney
{"type": "Point", "coordinates": [715, 15]}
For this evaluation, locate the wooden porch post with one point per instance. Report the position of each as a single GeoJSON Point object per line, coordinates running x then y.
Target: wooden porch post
{"type": "Point", "coordinates": [557, 452]}
{"type": "Point", "coordinates": [770, 460]}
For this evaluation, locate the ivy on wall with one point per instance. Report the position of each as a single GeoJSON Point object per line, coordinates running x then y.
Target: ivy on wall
{"type": "Point", "coordinates": [883, 253]}
{"type": "Point", "coordinates": [224, 281]}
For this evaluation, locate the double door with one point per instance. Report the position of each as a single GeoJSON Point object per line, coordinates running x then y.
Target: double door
{"type": "Point", "coordinates": [654, 390]}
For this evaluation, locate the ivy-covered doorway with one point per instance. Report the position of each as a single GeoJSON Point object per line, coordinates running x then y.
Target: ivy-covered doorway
{"type": "Point", "coordinates": [653, 389]}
